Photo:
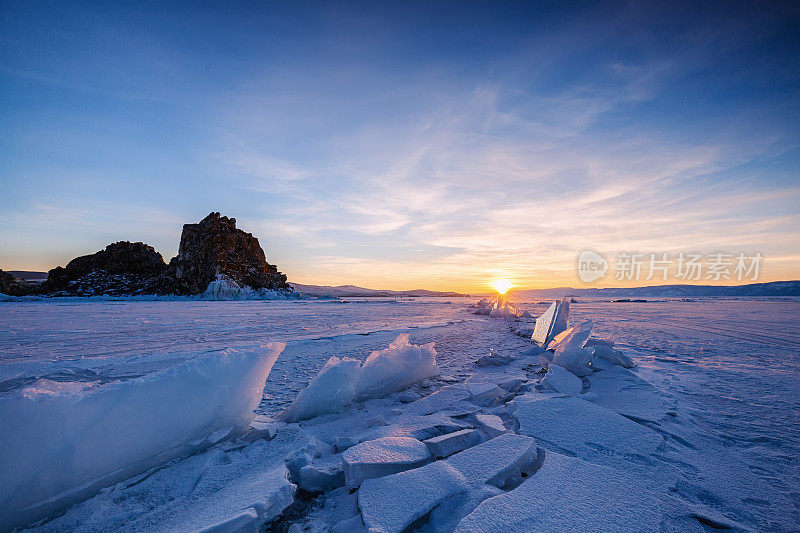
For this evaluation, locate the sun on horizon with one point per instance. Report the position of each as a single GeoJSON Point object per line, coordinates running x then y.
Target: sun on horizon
{"type": "Point", "coordinates": [502, 285]}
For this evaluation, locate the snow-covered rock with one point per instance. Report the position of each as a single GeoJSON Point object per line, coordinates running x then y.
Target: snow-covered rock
{"type": "Point", "coordinates": [328, 392]}
{"type": "Point", "coordinates": [492, 425]}
{"type": "Point", "coordinates": [560, 380]}
{"type": "Point", "coordinates": [578, 427]}
{"type": "Point", "coordinates": [496, 461]}
{"type": "Point", "coordinates": [64, 444]}
{"type": "Point", "coordinates": [568, 494]}
{"type": "Point", "coordinates": [390, 504]}
{"type": "Point", "coordinates": [450, 443]}
{"type": "Point", "coordinates": [381, 457]}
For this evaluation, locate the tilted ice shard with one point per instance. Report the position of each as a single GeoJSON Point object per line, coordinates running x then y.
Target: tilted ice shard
{"type": "Point", "coordinates": [551, 323]}
{"type": "Point", "coordinates": [571, 354]}
{"type": "Point", "coordinates": [329, 392]}
{"type": "Point", "coordinates": [343, 381]}
{"type": "Point", "coordinates": [57, 447]}
{"type": "Point", "coordinates": [541, 330]}
{"type": "Point", "coordinates": [396, 368]}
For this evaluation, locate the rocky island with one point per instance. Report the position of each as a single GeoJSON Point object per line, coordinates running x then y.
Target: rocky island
{"type": "Point", "coordinates": [209, 250]}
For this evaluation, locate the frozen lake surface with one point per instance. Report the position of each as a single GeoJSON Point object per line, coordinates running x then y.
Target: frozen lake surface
{"type": "Point", "coordinates": [732, 365]}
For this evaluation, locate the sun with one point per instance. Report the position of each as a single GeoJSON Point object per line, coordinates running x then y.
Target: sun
{"type": "Point", "coordinates": [502, 285]}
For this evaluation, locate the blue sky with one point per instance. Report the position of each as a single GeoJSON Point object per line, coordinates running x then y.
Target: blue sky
{"type": "Point", "coordinates": [403, 145]}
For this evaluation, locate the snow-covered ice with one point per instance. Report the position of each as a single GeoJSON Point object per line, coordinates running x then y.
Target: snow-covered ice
{"type": "Point", "coordinates": [226, 488]}
{"type": "Point", "coordinates": [552, 322]}
{"type": "Point", "coordinates": [612, 356]}
{"type": "Point", "coordinates": [569, 352]}
{"type": "Point", "coordinates": [496, 461]}
{"type": "Point", "coordinates": [63, 443]}
{"type": "Point", "coordinates": [450, 443]}
{"type": "Point", "coordinates": [390, 504]}
{"type": "Point", "coordinates": [626, 393]}
{"type": "Point", "coordinates": [578, 427]}
{"type": "Point", "coordinates": [322, 475]}
{"type": "Point", "coordinates": [568, 494]}
{"type": "Point", "coordinates": [560, 380]}
{"type": "Point", "coordinates": [396, 368]}
{"type": "Point", "coordinates": [381, 457]}
{"type": "Point", "coordinates": [329, 392]}
{"type": "Point", "coordinates": [482, 392]}
{"type": "Point", "coordinates": [490, 424]}
{"type": "Point", "coordinates": [342, 381]}
{"type": "Point", "coordinates": [703, 424]}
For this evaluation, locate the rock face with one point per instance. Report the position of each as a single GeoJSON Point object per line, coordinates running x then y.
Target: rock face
{"type": "Point", "coordinates": [210, 248]}
{"type": "Point", "coordinates": [122, 268]}
{"type": "Point", "coordinates": [215, 246]}
{"type": "Point", "coordinates": [7, 284]}
{"type": "Point", "coordinates": [16, 287]}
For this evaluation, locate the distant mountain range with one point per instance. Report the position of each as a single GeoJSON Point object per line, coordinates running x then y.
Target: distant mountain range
{"type": "Point", "coordinates": [775, 288]}
{"type": "Point", "coordinates": [350, 291]}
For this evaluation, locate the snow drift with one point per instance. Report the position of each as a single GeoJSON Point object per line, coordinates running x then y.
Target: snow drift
{"type": "Point", "coordinates": [60, 443]}
{"type": "Point", "coordinates": [343, 381]}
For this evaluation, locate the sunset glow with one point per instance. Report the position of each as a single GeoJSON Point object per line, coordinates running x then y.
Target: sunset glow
{"type": "Point", "coordinates": [415, 161]}
{"type": "Point", "coordinates": [502, 285]}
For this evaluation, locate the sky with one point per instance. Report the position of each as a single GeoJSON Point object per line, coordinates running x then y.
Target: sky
{"type": "Point", "coordinates": [405, 145]}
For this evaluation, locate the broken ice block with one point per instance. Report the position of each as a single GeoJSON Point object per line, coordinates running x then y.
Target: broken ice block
{"type": "Point", "coordinates": [570, 353]}
{"type": "Point", "coordinates": [567, 494]}
{"type": "Point", "coordinates": [322, 475]}
{"type": "Point", "coordinates": [445, 445]}
{"type": "Point", "coordinates": [577, 427]}
{"type": "Point", "coordinates": [390, 504]}
{"type": "Point", "coordinates": [560, 380]}
{"type": "Point", "coordinates": [381, 457]}
{"type": "Point", "coordinates": [496, 461]}
{"type": "Point", "coordinates": [492, 425]}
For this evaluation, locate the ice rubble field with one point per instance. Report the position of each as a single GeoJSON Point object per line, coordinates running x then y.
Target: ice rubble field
{"type": "Point", "coordinates": [702, 433]}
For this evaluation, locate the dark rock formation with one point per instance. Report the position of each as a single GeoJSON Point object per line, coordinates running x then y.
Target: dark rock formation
{"type": "Point", "coordinates": [6, 282]}
{"type": "Point", "coordinates": [122, 268]}
{"type": "Point", "coordinates": [15, 287]}
{"type": "Point", "coordinates": [215, 246]}
{"type": "Point", "coordinates": [207, 249]}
